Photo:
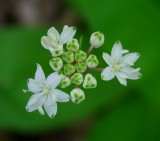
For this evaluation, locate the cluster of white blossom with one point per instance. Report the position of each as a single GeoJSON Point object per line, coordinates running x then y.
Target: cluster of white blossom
{"type": "Point", "coordinates": [70, 65]}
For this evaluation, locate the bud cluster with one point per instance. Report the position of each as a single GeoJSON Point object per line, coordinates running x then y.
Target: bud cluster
{"type": "Point", "coordinates": [71, 65]}
{"type": "Point", "coordinates": [74, 63]}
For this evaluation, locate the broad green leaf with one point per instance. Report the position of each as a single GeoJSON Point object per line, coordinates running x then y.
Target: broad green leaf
{"type": "Point", "coordinates": [133, 121]}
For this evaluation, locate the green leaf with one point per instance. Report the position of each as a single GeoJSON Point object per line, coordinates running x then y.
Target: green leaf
{"type": "Point", "coordinates": [133, 121]}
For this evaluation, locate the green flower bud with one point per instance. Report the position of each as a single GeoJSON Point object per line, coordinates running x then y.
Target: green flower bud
{"type": "Point", "coordinates": [92, 61]}
{"type": "Point", "coordinates": [80, 56]}
{"type": "Point", "coordinates": [73, 45]}
{"type": "Point", "coordinates": [65, 82]}
{"type": "Point", "coordinates": [77, 95]}
{"type": "Point", "coordinates": [68, 56]}
{"type": "Point", "coordinates": [81, 67]}
{"type": "Point", "coordinates": [97, 39]}
{"type": "Point", "coordinates": [77, 78]}
{"type": "Point", "coordinates": [68, 69]}
{"type": "Point", "coordinates": [89, 82]}
{"type": "Point", "coordinates": [56, 63]}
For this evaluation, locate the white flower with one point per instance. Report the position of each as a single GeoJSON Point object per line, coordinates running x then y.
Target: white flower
{"type": "Point", "coordinates": [119, 65]}
{"type": "Point", "coordinates": [45, 93]}
{"type": "Point", "coordinates": [54, 41]}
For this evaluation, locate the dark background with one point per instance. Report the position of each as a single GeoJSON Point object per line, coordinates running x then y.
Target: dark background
{"type": "Point", "coordinates": [111, 112]}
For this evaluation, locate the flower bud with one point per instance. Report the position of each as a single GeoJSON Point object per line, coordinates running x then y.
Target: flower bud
{"type": "Point", "coordinates": [92, 61]}
{"type": "Point", "coordinates": [68, 69]}
{"type": "Point", "coordinates": [77, 78]}
{"type": "Point", "coordinates": [56, 63]}
{"type": "Point", "coordinates": [68, 57]}
{"type": "Point", "coordinates": [77, 95]}
{"type": "Point", "coordinates": [65, 82]}
{"type": "Point", "coordinates": [73, 45]}
{"type": "Point", "coordinates": [89, 82]}
{"type": "Point", "coordinates": [81, 67]}
{"type": "Point", "coordinates": [97, 39]}
{"type": "Point", "coordinates": [80, 56]}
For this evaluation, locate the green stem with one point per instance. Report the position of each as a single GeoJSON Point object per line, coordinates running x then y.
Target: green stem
{"type": "Point", "coordinates": [96, 69]}
{"type": "Point", "coordinates": [90, 50]}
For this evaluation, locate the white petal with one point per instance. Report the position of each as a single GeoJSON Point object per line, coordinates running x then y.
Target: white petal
{"type": "Point", "coordinates": [130, 58]}
{"type": "Point", "coordinates": [108, 59]}
{"type": "Point", "coordinates": [107, 74]}
{"type": "Point", "coordinates": [33, 99]}
{"type": "Point", "coordinates": [135, 70]}
{"type": "Point", "coordinates": [54, 79]}
{"type": "Point", "coordinates": [123, 75]}
{"type": "Point", "coordinates": [50, 106]}
{"type": "Point", "coordinates": [34, 86]}
{"type": "Point", "coordinates": [124, 51]}
{"type": "Point", "coordinates": [131, 72]}
{"type": "Point", "coordinates": [53, 33]}
{"type": "Point", "coordinates": [123, 81]}
{"type": "Point", "coordinates": [41, 111]}
{"type": "Point", "coordinates": [39, 75]}
{"type": "Point", "coordinates": [61, 96]}
{"type": "Point", "coordinates": [35, 102]}
{"type": "Point", "coordinates": [67, 34]}
{"type": "Point", "coordinates": [53, 37]}
{"type": "Point", "coordinates": [116, 52]}
{"type": "Point", "coordinates": [45, 42]}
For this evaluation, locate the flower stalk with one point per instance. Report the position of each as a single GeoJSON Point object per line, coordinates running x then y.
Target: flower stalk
{"type": "Point", "coordinates": [96, 69]}
{"type": "Point", "coordinates": [90, 50]}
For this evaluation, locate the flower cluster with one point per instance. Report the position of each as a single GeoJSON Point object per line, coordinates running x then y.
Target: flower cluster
{"type": "Point", "coordinates": [70, 65]}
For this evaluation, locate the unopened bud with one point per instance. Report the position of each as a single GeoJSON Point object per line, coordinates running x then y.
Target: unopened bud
{"type": "Point", "coordinates": [65, 82]}
{"type": "Point", "coordinates": [68, 57]}
{"type": "Point", "coordinates": [68, 69]}
{"type": "Point", "coordinates": [92, 61]}
{"type": "Point", "coordinates": [97, 39]}
{"type": "Point", "coordinates": [77, 95]}
{"type": "Point", "coordinates": [73, 45]}
{"type": "Point", "coordinates": [80, 56]}
{"type": "Point", "coordinates": [89, 82]}
{"type": "Point", "coordinates": [56, 63]}
{"type": "Point", "coordinates": [81, 67]}
{"type": "Point", "coordinates": [77, 78]}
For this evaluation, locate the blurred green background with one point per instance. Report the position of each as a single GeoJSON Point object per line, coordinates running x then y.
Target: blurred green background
{"type": "Point", "coordinates": [111, 112]}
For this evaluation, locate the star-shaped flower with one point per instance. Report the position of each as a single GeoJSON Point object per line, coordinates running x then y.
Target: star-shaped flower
{"type": "Point", "coordinates": [45, 93]}
{"type": "Point", "coordinates": [54, 41]}
{"type": "Point", "coordinates": [119, 65]}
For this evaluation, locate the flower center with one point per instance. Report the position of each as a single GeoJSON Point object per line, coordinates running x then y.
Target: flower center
{"type": "Point", "coordinates": [46, 89]}
{"type": "Point", "coordinates": [116, 68]}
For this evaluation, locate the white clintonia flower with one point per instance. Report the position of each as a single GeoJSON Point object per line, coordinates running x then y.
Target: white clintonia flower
{"type": "Point", "coordinates": [54, 41]}
{"type": "Point", "coordinates": [119, 65]}
{"type": "Point", "coordinates": [45, 93]}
